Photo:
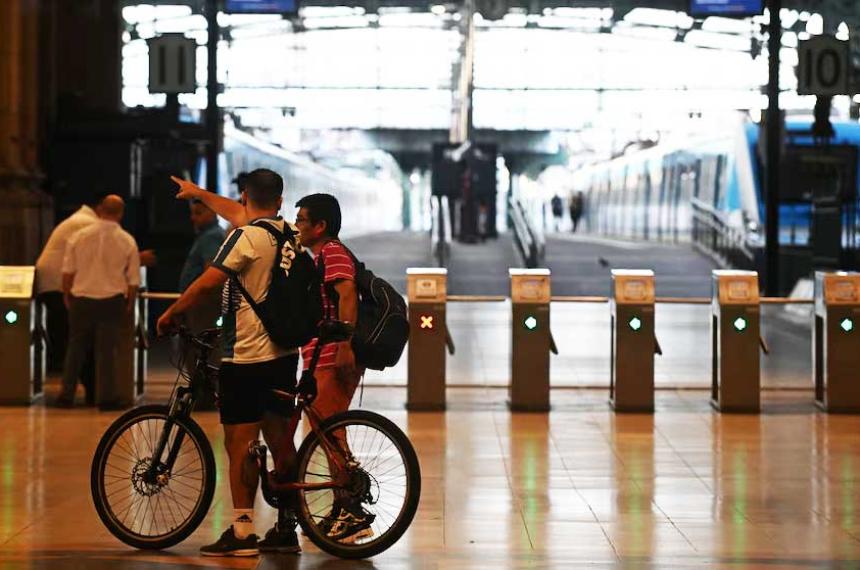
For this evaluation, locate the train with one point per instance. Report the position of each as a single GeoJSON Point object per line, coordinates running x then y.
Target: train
{"type": "Point", "coordinates": [369, 186]}
{"type": "Point", "coordinates": [710, 192]}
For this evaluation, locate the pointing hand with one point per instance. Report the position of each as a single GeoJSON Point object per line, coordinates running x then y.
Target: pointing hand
{"type": "Point", "coordinates": [187, 189]}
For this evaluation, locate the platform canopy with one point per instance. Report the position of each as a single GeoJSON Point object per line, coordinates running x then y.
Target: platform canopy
{"type": "Point", "coordinates": [605, 72]}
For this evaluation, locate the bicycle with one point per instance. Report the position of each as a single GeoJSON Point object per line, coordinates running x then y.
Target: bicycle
{"type": "Point", "coordinates": [153, 473]}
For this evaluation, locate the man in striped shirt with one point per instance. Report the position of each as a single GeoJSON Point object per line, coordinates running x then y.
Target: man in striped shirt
{"type": "Point", "coordinates": [337, 374]}
{"type": "Point", "coordinates": [318, 221]}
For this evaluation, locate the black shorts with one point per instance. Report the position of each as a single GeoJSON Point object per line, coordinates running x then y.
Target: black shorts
{"type": "Point", "coordinates": [245, 390]}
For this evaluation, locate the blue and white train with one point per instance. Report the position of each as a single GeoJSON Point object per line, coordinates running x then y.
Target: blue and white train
{"type": "Point", "coordinates": [370, 196]}
{"type": "Point", "coordinates": [688, 191]}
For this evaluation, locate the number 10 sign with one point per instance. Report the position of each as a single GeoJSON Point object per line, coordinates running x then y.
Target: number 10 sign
{"type": "Point", "coordinates": [823, 67]}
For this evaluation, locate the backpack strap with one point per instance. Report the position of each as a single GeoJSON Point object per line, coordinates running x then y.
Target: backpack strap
{"type": "Point", "coordinates": [279, 240]}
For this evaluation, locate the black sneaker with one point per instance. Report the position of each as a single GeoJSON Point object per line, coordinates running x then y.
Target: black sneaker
{"type": "Point", "coordinates": [351, 524]}
{"type": "Point", "coordinates": [282, 541]}
{"type": "Point", "coordinates": [229, 545]}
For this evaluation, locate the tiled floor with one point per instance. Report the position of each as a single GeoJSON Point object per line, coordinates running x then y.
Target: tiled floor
{"type": "Point", "coordinates": [578, 487]}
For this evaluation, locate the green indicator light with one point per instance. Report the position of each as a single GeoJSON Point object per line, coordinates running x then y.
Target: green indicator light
{"type": "Point", "coordinates": [635, 323]}
{"type": "Point", "coordinates": [530, 323]}
{"type": "Point", "coordinates": [11, 317]}
{"type": "Point", "coordinates": [740, 324]}
{"type": "Point", "coordinates": [847, 324]}
{"type": "Point", "coordinates": [219, 322]}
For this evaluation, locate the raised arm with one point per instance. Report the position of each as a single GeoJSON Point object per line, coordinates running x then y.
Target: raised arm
{"type": "Point", "coordinates": [228, 209]}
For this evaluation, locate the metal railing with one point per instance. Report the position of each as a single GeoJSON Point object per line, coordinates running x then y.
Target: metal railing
{"type": "Point", "coordinates": [715, 237]}
{"type": "Point", "coordinates": [440, 230]}
{"type": "Point", "coordinates": [597, 299]}
{"type": "Point", "coordinates": [529, 243]}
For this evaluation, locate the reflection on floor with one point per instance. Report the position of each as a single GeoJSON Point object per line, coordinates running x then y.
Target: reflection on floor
{"type": "Point", "coordinates": [579, 487]}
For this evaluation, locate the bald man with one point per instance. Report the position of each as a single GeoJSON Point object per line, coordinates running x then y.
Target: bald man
{"type": "Point", "coordinates": [101, 274]}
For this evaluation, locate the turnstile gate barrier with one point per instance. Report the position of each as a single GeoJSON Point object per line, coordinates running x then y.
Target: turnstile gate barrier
{"type": "Point", "coordinates": [634, 342]}
{"type": "Point", "coordinates": [735, 342]}
{"type": "Point", "coordinates": [531, 340]}
{"type": "Point", "coordinates": [836, 342]}
{"type": "Point", "coordinates": [22, 337]}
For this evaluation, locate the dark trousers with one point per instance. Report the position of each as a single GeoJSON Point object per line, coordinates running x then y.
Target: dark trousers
{"type": "Point", "coordinates": [94, 326]}
{"type": "Point", "coordinates": [57, 329]}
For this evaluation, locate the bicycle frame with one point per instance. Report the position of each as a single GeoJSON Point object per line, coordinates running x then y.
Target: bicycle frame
{"type": "Point", "coordinates": [335, 456]}
{"type": "Point", "coordinates": [181, 405]}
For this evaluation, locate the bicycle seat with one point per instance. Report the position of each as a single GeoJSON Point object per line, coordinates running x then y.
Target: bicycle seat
{"type": "Point", "coordinates": [335, 331]}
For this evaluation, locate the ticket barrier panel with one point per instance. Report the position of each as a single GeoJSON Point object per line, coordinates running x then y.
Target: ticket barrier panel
{"type": "Point", "coordinates": [427, 292]}
{"type": "Point", "coordinates": [836, 342]}
{"type": "Point", "coordinates": [633, 343]}
{"type": "Point", "coordinates": [735, 342]}
{"type": "Point", "coordinates": [531, 340]}
{"type": "Point", "coordinates": [22, 338]}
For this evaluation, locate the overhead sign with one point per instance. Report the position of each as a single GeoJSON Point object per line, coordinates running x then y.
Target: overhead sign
{"type": "Point", "coordinates": [172, 64]}
{"type": "Point", "coordinates": [823, 67]}
{"type": "Point", "coordinates": [737, 8]}
{"type": "Point", "coordinates": [262, 6]}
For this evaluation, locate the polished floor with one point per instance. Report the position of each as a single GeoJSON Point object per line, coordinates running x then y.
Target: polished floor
{"type": "Point", "coordinates": [580, 487]}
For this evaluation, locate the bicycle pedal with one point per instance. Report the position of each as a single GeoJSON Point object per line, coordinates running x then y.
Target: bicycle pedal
{"type": "Point", "coordinates": [257, 449]}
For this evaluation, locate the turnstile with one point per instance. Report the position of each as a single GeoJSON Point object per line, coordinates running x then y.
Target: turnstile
{"type": "Point", "coordinates": [427, 292]}
{"type": "Point", "coordinates": [836, 342]}
{"type": "Point", "coordinates": [531, 340]}
{"type": "Point", "coordinates": [22, 338]}
{"type": "Point", "coordinates": [735, 342]}
{"type": "Point", "coordinates": [634, 343]}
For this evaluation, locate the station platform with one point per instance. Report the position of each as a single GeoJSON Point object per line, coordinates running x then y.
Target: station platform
{"type": "Point", "coordinates": [580, 487]}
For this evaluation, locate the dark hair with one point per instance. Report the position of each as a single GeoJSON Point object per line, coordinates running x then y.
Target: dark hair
{"type": "Point", "coordinates": [323, 208]}
{"type": "Point", "coordinates": [240, 180]}
{"type": "Point", "coordinates": [263, 188]}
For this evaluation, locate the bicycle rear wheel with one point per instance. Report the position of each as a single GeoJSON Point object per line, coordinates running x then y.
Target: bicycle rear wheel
{"type": "Point", "coordinates": [152, 513]}
{"type": "Point", "coordinates": [383, 490]}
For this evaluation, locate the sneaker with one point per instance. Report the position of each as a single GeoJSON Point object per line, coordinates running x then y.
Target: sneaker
{"type": "Point", "coordinates": [282, 541]}
{"type": "Point", "coordinates": [350, 526]}
{"type": "Point", "coordinates": [229, 545]}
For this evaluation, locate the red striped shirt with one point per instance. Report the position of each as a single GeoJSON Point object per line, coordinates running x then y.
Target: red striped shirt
{"type": "Point", "coordinates": [338, 266]}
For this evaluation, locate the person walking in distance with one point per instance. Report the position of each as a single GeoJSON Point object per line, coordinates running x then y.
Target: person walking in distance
{"type": "Point", "coordinates": [577, 203]}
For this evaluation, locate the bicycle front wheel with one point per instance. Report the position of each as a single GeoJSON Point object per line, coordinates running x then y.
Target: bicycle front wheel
{"type": "Point", "coordinates": [146, 511]}
{"type": "Point", "coordinates": [381, 490]}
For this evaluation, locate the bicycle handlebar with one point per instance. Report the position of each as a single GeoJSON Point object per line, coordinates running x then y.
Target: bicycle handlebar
{"type": "Point", "coordinates": [204, 340]}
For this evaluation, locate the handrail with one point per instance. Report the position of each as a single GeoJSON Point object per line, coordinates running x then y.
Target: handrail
{"type": "Point", "coordinates": [528, 242]}
{"type": "Point", "coordinates": [557, 299]}
{"type": "Point", "coordinates": [476, 298]}
{"type": "Point", "coordinates": [716, 237]}
{"type": "Point", "coordinates": [159, 296]}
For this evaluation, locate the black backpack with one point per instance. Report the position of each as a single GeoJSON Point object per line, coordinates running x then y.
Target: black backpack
{"type": "Point", "coordinates": [382, 329]}
{"type": "Point", "coordinates": [292, 309]}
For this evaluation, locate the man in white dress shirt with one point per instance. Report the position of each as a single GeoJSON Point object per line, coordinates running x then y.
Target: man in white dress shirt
{"type": "Point", "coordinates": [101, 274]}
{"type": "Point", "coordinates": [49, 280]}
